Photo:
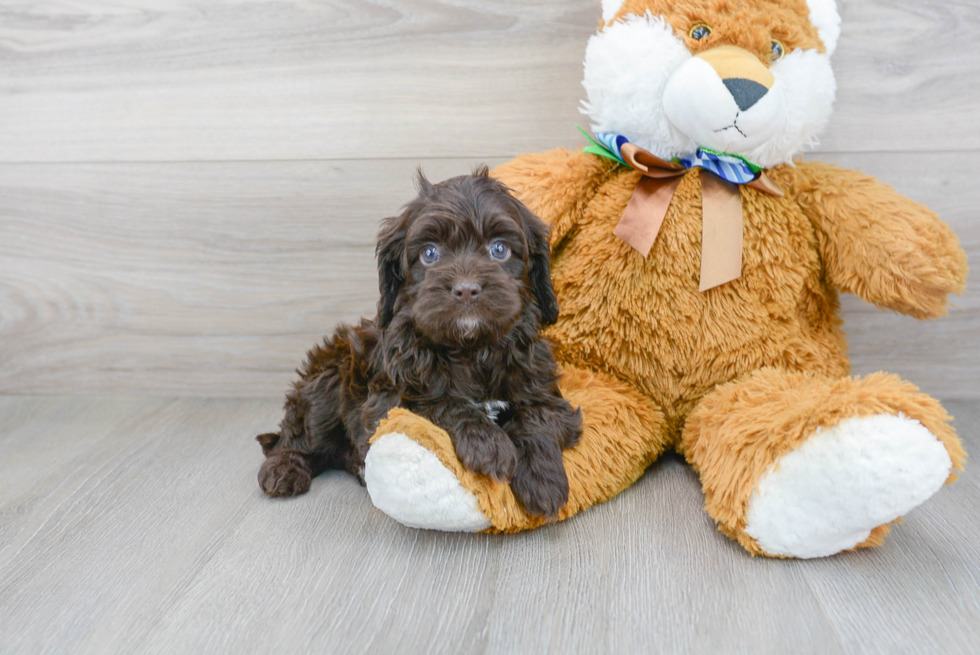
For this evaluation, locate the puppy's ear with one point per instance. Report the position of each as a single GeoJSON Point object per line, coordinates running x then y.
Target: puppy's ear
{"type": "Point", "coordinates": [391, 265]}
{"type": "Point", "coordinates": [539, 259]}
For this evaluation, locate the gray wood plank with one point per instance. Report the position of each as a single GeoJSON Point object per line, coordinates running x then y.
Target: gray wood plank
{"type": "Point", "coordinates": [231, 262]}
{"type": "Point", "coordinates": [141, 511]}
{"type": "Point", "coordinates": [32, 472]}
{"type": "Point", "coordinates": [650, 549]}
{"type": "Point", "coordinates": [153, 537]}
{"type": "Point", "coordinates": [292, 79]}
{"type": "Point", "coordinates": [215, 278]}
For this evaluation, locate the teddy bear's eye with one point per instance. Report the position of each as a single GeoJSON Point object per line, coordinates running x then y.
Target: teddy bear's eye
{"type": "Point", "coordinates": [699, 31]}
{"type": "Point", "coordinates": [777, 50]}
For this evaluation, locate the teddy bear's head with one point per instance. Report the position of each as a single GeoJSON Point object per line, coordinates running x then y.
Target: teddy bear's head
{"type": "Point", "coordinates": [744, 77]}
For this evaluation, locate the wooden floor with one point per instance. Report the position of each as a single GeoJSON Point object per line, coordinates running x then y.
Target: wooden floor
{"type": "Point", "coordinates": [136, 525]}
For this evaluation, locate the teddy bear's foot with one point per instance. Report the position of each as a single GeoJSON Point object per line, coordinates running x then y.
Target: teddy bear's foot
{"type": "Point", "coordinates": [413, 475]}
{"type": "Point", "coordinates": [841, 483]}
{"type": "Point", "coordinates": [409, 483]}
{"type": "Point", "coordinates": [801, 465]}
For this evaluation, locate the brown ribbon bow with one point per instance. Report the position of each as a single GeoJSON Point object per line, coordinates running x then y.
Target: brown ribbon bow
{"type": "Point", "coordinates": [721, 208]}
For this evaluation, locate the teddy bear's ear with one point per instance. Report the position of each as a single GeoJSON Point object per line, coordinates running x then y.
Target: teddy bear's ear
{"type": "Point", "coordinates": [824, 16]}
{"type": "Point", "coordinates": [610, 8]}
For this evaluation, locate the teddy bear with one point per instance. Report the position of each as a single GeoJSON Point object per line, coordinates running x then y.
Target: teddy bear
{"type": "Point", "coordinates": [697, 261]}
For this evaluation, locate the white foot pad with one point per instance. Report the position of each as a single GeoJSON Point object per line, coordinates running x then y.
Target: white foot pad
{"type": "Point", "coordinates": [409, 483]}
{"type": "Point", "coordinates": [827, 495]}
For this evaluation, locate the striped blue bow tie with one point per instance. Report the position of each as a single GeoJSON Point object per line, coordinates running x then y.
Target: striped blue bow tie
{"type": "Point", "coordinates": [732, 168]}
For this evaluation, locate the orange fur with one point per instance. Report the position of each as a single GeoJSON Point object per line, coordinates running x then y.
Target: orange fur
{"type": "Point", "coordinates": [642, 320]}
{"type": "Point", "coordinates": [632, 316]}
{"type": "Point", "coordinates": [877, 244]}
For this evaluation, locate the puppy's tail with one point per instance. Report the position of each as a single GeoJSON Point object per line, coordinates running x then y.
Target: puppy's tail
{"type": "Point", "coordinates": [268, 441]}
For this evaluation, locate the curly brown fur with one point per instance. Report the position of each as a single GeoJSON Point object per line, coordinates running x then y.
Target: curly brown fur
{"type": "Point", "coordinates": [465, 286]}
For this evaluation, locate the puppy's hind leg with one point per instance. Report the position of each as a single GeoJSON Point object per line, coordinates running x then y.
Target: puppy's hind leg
{"type": "Point", "coordinates": [312, 439]}
{"type": "Point", "coordinates": [285, 473]}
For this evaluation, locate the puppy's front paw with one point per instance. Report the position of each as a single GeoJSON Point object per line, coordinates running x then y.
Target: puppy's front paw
{"type": "Point", "coordinates": [541, 489]}
{"type": "Point", "coordinates": [487, 450]}
{"type": "Point", "coordinates": [571, 425]}
{"type": "Point", "coordinates": [285, 474]}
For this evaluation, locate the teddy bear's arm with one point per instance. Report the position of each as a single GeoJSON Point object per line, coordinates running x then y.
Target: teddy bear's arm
{"type": "Point", "coordinates": [878, 244]}
{"type": "Point", "coordinates": [556, 185]}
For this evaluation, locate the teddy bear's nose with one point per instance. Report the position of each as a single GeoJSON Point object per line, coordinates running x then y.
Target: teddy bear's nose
{"type": "Point", "coordinates": [746, 92]}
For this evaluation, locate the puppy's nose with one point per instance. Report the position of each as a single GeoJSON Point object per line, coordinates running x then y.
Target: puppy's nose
{"type": "Point", "coordinates": [466, 291]}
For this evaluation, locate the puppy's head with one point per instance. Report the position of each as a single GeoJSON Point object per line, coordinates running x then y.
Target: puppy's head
{"type": "Point", "coordinates": [463, 262]}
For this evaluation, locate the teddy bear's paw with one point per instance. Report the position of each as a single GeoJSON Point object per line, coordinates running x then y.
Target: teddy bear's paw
{"type": "Point", "coordinates": [827, 495]}
{"type": "Point", "coordinates": [409, 483]}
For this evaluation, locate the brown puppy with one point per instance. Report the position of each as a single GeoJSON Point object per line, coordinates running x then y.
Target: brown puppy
{"type": "Point", "coordinates": [465, 286]}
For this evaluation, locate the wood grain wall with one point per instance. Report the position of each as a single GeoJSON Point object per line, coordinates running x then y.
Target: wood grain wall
{"type": "Point", "coordinates": [189, 189]}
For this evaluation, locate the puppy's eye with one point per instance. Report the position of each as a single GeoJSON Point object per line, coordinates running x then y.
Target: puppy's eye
{"type": "Point", "coordinates": [499, 250]}
{"type": "Point", "coordinates": [777, 50]}
{"type": "Point", "coordinates": [429, 255]}
{"type": "Point", "coordinates": [699, 31]}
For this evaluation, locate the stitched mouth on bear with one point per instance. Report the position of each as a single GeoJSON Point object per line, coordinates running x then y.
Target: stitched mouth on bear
{"type": "Point", "coordinates": [733, 126]}
{"type": "Point", "coordinates": [719, 114]}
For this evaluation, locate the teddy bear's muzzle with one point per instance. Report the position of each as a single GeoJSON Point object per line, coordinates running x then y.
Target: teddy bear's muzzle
{"type": "Point", "coordinates": [724, 99]}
